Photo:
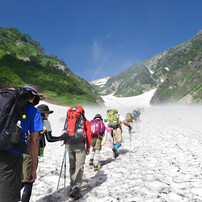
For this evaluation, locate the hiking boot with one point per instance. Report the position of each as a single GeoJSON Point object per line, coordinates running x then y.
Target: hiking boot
{"type": "Point", "coordinates": [91, 162]}
{"type": "Point", "coordinates": [96, 168]}
{"type": "Point", "coordinates": [115, 153]}
{"type": "Point", "coordinates": [75, 193]}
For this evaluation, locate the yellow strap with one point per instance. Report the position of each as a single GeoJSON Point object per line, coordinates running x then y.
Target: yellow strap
{"type": "Point", "coordinates": [44, 130]}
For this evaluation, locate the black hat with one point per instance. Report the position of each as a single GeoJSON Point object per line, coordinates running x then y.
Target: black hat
{"type": "Point", "coordinates": [44, 109]}
{"type": "Point", "coordinates": [34, 91]}
{"type": "Point", "coordinates": [98, 116]}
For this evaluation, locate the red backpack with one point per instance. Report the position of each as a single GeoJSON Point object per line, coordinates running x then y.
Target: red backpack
{"type": "Point", "coordinates": [75, 125]}
{"type": "Point", "coordinates": [97, 127]}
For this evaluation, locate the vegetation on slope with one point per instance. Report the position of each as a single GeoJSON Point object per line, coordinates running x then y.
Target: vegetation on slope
{"type": "Point", "coordinates": [22, 60]}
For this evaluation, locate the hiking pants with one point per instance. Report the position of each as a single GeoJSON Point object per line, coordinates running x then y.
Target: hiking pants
{"type": "Point", "coordinates": [77, 156]}
{"type": "Point", "coordinates": [10, 176]}
{"type": "Point", "coordinates": [27, 192]}
{"type": "Point", "coordinates": [117, 136]}
{"type": "Point", "coordinates": [96, 142]}
{"type": "Point", "coordinates": [26, 167]}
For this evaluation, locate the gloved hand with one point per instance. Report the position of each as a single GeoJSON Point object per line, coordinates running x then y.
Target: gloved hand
{"type": "Point", "coordinates": [87, 151]}
{"type": "Point", "coordinates": [108, 129]}
{"type": "Point", "coordinates": [64, 136]}
{"type": "Point", "coordinates": [102, 143]}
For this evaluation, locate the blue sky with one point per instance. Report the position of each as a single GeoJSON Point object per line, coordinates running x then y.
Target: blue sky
{"type": "Point", "coordinates": [99, 38]}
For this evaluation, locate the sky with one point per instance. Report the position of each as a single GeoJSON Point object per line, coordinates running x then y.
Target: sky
{"type": "Point", "coordinates": [100, 38]}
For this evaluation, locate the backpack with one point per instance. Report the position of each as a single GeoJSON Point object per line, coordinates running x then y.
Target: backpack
{"type": "Point", "coordinates": [97, 127]}
{"type": "Point", "coordinates": [75, 125]}
{"type": "Point", "coordinates": [113, 118]}
{"type": "Point", "coordinates": [134, 114]}
{"type": "Point", "coordinates": [13, 105]}
{"type": "Point", "coordinates": [129, 117]}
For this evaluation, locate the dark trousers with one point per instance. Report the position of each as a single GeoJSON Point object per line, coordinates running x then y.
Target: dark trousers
{"type": "Point", "coordinates": [10, 176]}
{"type": "Point", "coordinates": [27, 191]}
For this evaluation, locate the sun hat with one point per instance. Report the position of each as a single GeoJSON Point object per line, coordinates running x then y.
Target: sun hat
{"type": "Point", "coordinates": [98, 116]}
{"type": "Point", "coordinates": [44, 109]}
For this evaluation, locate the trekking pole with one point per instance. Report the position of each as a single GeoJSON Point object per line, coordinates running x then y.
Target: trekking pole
{"type": "Point", "coordinates": [130, 138]}
{"type": "Point", "coordinates": [65, 173]}
{"type": "Point", "coordinates": [61, 169]}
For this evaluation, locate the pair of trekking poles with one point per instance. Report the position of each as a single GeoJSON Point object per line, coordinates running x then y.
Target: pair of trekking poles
{"type": "Point", "coordinates": [64, 163]}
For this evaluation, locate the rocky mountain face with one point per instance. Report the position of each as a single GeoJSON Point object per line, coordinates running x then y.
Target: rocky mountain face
{"type": "Point", "coordinates": [175, 73]}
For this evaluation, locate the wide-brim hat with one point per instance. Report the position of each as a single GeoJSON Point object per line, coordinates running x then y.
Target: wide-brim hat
{"type": "Point", "coordinates": [44, 109]}
{"type": "Point", "coordinates": [98, 116]}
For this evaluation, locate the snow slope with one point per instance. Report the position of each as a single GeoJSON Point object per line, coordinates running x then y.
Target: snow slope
{"type": "Point", "coordinates": [162, 162]}
{"type": "Point", "coordinates": [100, 82]}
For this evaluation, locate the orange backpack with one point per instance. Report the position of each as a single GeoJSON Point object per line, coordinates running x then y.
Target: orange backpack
{"type": "Point", "coordinates": [75, 125]}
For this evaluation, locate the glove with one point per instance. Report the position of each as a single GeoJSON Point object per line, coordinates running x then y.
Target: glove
{"type": "Point", "coordinates": [102, 143]}
{"type": "Point", "coordinates": [64, 136]}
{"type": "Point", "coordinates": [108, 129]}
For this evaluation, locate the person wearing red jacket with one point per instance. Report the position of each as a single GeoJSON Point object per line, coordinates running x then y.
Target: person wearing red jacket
{"type": "Point", "coordinates": [77, 151]}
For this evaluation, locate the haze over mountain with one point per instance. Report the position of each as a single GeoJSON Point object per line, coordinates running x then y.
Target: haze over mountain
{"type": "Point", "coordinates": [177, 73]}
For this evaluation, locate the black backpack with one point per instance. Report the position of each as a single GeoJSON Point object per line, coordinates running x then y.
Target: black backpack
{"type": "Point", "coordinates": [13, 103]}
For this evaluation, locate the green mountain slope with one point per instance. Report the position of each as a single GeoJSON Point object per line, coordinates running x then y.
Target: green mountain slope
{"type": "Point", "coordinates": [133, 81]}
{"type": "Point", "coordinates": [183, 81]}
{"type": "Point", "coordinates": [175, 73]}
{"type": "Point", "coordinates": [22, 60]}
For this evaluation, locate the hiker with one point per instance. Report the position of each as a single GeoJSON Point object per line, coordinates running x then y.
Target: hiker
{"type": "Point", "coordinates": [97, 137]}
{"type": "Point", "coordinates": [77, 137]}
{"type": "Point", "coordinates": [44, 110]}
{"type": "Point", "coordinates": [136, 114]}
{"type": "Point", "coordinates": [11, 160]}
{"type": "Point", "coordinates": [114, 121]}
{"type": "Point", "coordinates": [47, 132]}
{"type": "Point", "coordinates": [129, 120]}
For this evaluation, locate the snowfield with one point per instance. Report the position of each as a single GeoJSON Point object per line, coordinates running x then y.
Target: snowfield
{"type": "Point", "coordinates": [161, 163]}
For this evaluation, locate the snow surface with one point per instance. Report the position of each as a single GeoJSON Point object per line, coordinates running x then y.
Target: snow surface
{"type": "Point", "coordinates": [162, 163]}
{"type": "Point", "coordinates": [100, 82]}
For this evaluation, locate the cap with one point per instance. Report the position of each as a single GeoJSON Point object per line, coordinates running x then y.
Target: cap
{"type": "Point", "coordinates": [32, 88]}
{"type": "Point", "coordinates": [44, 109]}
{"type": "Point", "coordinates": [98, 116]}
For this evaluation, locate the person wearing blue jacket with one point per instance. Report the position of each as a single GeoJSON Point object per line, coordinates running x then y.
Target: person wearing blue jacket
{"type": "Point", "coordinates": [11, 160]}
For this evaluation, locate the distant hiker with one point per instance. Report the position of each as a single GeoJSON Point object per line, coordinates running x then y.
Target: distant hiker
{"type": "Point", "coordinates": [97, 136]}
{"type": "Point", "coordinates": [78, 137]}
{"type": "Point", "coordinates": [129, 120]}
{"type": "Point", "coordinates": [47, 132]}
{"type": "Point", "coordinates": [136, 114]}
{"type": "Point", "coordinates": [114, 121]}
{"type": "Point", "coordinates": [11, 159]}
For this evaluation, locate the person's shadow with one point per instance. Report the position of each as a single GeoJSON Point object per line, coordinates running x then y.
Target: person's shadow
{"type": "Point", "coordinates": [105, 162]}
{"type": "Point", "coordinates": [122, 151]}
{"type": "Point", "coordinates": [58, 195]}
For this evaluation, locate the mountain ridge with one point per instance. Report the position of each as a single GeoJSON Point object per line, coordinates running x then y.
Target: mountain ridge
{"type": "Point", "coordinates": [22, 60]}
{"type": "Point", "coordinates": [159, 72]}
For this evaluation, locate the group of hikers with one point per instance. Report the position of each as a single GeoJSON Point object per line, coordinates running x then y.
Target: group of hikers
{"type": "Point", "coordinates": [19, 158]}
